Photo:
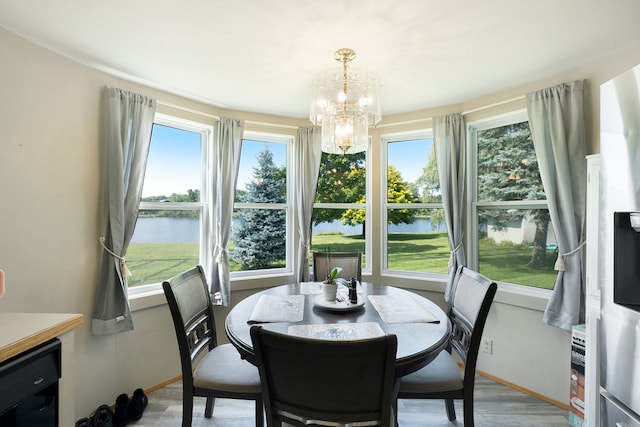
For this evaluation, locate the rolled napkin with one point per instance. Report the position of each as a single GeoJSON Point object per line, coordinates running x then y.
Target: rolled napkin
{"type": "Point", "coordinates": [401, 309]}
{"type": "Point", "coordinates": [278, 308]}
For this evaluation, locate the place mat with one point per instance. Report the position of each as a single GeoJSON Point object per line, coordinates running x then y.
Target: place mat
{"type": "Point", "coordinates": [401, 309]}
{"type": "Point", "coordinates": [310, 288]}
{"type": "Point", "coordinates": [278, 308]}
{"type": "Point", "coordinates": [337, 331]}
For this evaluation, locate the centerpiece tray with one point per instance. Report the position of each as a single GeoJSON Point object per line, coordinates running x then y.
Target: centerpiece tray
{"type": "Point", "coordinates": [341, 304]}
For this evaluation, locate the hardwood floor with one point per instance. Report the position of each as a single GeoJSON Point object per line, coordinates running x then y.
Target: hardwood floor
{"type": "Point", "coordinates": [495, 406]}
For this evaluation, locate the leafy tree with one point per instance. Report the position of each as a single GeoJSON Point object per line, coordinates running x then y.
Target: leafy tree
{"type": "Point", "coordinates": [428, 188]}
{"type": "Point", "coordinates": [428, 183]}
{"type": "Point", "coordinates": [508, 170]}
{"type": "Point", "coordinates": [258, 235]}
{"type": "Point", "coordinates": [342, 179]}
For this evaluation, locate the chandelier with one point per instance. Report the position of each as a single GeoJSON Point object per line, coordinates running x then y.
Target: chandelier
{"type": "Point", "coordinates": [345, 102]}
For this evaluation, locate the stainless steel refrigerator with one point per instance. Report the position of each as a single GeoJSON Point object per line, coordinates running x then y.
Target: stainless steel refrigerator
{"type": "Point", "coordinates": [619, 254]}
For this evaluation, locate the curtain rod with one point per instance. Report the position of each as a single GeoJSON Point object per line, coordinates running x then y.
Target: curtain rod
{"type": "Point", "coordinates": [464, 113]}
{"type": "Point", "coordinates": [215, 117]}
{"type": "Point", "coordinates": [407, 122]}
{"type": "Point", "coordinates": [495, 104]}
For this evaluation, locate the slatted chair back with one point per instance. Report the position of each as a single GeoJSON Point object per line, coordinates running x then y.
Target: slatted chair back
{"type": "Point", "coordinates": [331, 383]}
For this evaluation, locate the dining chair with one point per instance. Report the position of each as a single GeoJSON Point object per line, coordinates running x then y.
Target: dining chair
{"type": "Point", "coordinates": [350, 262]}
{"type": "Point", "coordinates": [443, 378]}
{"type": "Point", "coordinates": [307, 382]}
{"type": "Point", "coordinates": [208, 370]}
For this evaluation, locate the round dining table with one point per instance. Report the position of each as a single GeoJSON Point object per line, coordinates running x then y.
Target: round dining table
{"type": "Point", "coordinates": [419, 340]}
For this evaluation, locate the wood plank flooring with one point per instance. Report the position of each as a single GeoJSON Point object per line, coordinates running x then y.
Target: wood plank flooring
{"type": "Point", "coordinates": [495, 406]}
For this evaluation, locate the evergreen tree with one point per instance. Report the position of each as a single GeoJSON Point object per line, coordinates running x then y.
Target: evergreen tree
{"type": "Point", "coordinates": [508, 170]}
{"type": "Point", "coordinates": [258, 237]}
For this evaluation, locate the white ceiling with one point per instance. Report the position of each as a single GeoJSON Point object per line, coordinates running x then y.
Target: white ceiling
{"type": "Point", "coordinates": [260, 55]}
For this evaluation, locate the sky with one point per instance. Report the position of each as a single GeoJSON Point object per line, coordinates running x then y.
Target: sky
{"type": "Point", "coordinates": [174, 160]}
{"type": "Point", "coordinates": [173, 165]}
{"type": "Point", "coordinates": [409, 157]}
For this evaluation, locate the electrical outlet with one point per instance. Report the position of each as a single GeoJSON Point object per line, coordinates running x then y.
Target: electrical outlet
{"type": "Point", "coordinates": [487, 346]}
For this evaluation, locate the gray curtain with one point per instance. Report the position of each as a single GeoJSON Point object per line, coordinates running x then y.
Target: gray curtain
{"type": "Point", "coordinates": [556, 119]}
{"type": "Point", "coordinates": [307, 155]}
{"type": "Point", "coordinates": [227, 154]}
{"type": "Point", "coordinates": [449, 140]}
{"type": "Point", "coordinates": [129, 121]}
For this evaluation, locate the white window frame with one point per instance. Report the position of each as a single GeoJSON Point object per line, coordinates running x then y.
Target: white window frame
{"type": "Point", "coordinates": [385, 205]}
{"type": "Point", "coordinates": [204, 205]}
{"type": "Point", "coordinates": [473, 204]}
{"type": "Point", "coordinates": [367, 267]}
{"type": "Point", "coordinates": [287, 140]}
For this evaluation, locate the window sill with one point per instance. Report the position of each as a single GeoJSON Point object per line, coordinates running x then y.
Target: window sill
{"type": "Point", "coordinates": [523, 296]}
{"type": "Point", "coordinates": [150, 297]}
{"type": "Point", "coordinates": [516, 295]}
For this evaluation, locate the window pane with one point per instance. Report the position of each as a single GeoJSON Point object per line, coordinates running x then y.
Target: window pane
{"type": "Point", "coordinates": [507, 165]}
{"type": "Point", "coordinates": [342, 179]}
{"type": "Point", "coordinates": [331, 230]}
{"type": "Point", "coordinates": [421, 245]}
{"type": "Point", "coordinates": [517, 246]}
{"type": "Point", "coordinates": [258, 239]}
{"type": "Point", "coordinates": [262, 174]}
{"type": "Point", "coordinates": [174, 165]}
{"type": "Point", "coordinates": [164, 244]}
{"type": "Point", "coordinates": [412, 174]}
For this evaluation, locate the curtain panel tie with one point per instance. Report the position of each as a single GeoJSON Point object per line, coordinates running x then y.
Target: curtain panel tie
{"type": "Point", "coordinates": [307, 246]}
{"type": "Point", "coordinates": [123, 264]}
{"type": "Point", "coordinates": [452, 254]}
{"type": "Point", "coordinates": [221, 254]}
{"type": "Point", "coordinates": [559, 265]}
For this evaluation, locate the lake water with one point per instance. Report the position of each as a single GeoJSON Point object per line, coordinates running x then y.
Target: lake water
{"type": "Point", "coordinates": [172, 230]}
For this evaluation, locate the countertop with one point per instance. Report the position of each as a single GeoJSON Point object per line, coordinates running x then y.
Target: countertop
{"type": "Point", "coordinates": [20, 332]}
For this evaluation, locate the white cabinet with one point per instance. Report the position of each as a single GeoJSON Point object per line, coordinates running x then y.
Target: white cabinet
{"type": "Point", "coordinates": [592, 309]}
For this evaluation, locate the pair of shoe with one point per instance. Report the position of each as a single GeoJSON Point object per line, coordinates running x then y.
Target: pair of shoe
{"type": "Point", "coordinates": [129, 409]}
{"type": "Point", "coordinates": [102, 417]}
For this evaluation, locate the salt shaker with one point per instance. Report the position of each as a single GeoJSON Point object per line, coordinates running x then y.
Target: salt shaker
{"type": "Point", "coordinates": [353, 293]}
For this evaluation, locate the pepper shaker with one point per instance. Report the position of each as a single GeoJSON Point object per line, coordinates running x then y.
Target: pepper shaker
{"type": "Point", "coordinates": [353, 293]}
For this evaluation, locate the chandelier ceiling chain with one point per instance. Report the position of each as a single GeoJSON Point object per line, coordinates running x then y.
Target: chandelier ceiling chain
{"type": "Point", "coordinates": [345, 103]}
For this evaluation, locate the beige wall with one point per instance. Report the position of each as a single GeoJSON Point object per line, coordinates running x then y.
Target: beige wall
{"type": "Point", "coordinates": [51, 217]}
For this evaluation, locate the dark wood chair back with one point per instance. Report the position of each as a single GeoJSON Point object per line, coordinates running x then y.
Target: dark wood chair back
{"type": "Point", "coordinates": [190, 305]}
{"type": "Point", "coordinates": [472, 298]}
{"type": "Point", "coordinates": [333, 382]}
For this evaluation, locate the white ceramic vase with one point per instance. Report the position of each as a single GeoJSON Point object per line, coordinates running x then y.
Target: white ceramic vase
{"type": "Point", "coordinates": [330, 291]}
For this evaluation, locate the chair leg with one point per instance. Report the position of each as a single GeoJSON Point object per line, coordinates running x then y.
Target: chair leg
{"type": "Point", "coordinates": [451, 409]}
{"type": "Point", "coordinates": [468, 411]}
{"type": "Point", "coordinates": [187, 409]}
{"type": "Point", "coordinates": [259, 412]}
{"type": "Point", "coordinates": [208, 407]}
{"type": "Point", "coordinates": [394, 408]}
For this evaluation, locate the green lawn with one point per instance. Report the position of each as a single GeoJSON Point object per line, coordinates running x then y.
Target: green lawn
{"type": "Point", "coordinates": [155, 262]}
{"type": "Point", "coordinates": [417, 252]}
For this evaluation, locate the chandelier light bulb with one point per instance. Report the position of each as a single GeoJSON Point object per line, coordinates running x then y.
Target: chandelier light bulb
{"type": "Point", "coordinates": [345, 102]}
